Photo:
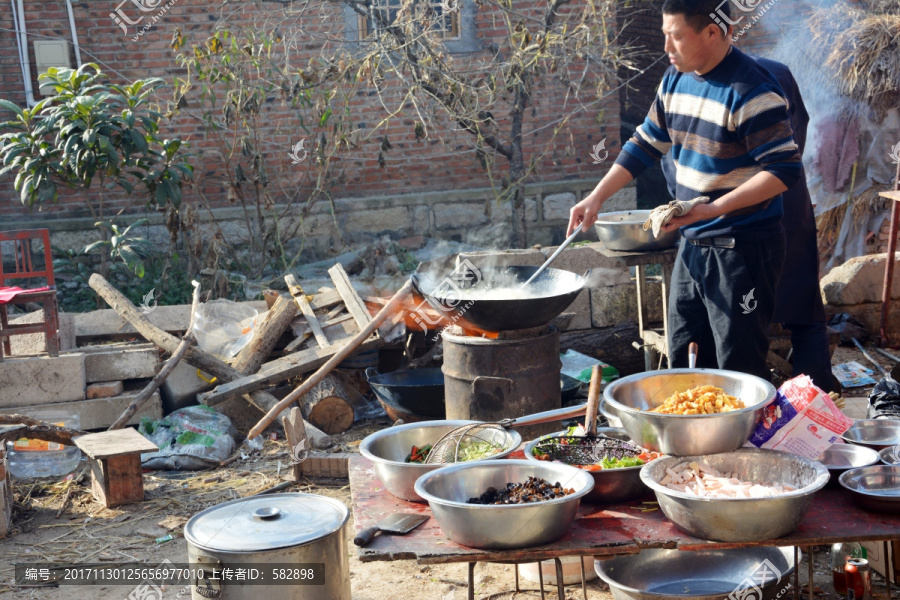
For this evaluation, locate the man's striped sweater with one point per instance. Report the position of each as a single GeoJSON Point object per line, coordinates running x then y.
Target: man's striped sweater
{"type": "Point", "coordinates": [722, 128]}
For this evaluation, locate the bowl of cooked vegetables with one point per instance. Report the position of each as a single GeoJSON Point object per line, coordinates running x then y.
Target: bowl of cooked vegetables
{"type": "Point", "coordinates": [398, 453]}
{"type": "Point", "coordinates": [689, 412]}
{"type": "Point", "coordinates": [748, 495]}
{"type": "Point", "coordinates": [504, 504]}
{"type": "Point", "coordinates": [609, 456]}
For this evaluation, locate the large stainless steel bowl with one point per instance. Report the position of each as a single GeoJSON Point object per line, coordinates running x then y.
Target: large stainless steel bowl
{"type": "Point", "coordinates": [388, 448]}
{"type": "Point", "coordinates": [875, 488]}
{"type": "Point", "coordinates": [877, 434]}
{"type": "Point", "coordinates": [624, 231]}
{"type": "Point", "coordinates": [658, 574]}
{"type": "Point", "coordinates": [741, 519]}
{"type": "Point", "coordinates": [631, 397]}
{"type": "Point", "coordinates": [502, 527]}
{"type": "Point", "coordinates": [839, 458]}
{"type": "Point", "coordinates": [889, 456]}
{"type": "Point", "coordinates": [610, 485]}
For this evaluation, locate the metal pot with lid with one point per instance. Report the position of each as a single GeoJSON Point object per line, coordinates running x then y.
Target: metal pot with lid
{"type": "Point", "coordinates": [285, 546]}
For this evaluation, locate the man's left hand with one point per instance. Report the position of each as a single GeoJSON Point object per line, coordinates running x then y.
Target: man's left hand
{"type": "Point", "coordinates": [701, 212]}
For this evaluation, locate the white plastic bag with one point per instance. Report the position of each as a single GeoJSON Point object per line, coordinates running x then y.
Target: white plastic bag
{"type": "Point", "coordinates": [223, 327]}
{"type": "Point", "coordinates": [195, 437]}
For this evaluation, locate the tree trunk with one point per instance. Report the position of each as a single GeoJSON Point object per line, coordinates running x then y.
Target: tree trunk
{"type": "Point", "coordinates": [326, 406]}
{"type": "Point", "coordinates": [517, 171]}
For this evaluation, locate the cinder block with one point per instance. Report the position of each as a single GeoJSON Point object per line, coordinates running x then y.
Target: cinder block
{"type": "Point", "coordinates": [181, 387]}
{"type": "Point", "coordinates": [104, 389]}
{"type": "Point", "coordinates": [98, 413]}
{"type": "Point", "coordinates": [120, 363]}
{"type": "Point", "coordinates": [617, 304]}
{"type": "Point", "coordinates": [32, 344]}
{"type": "Point", "coordinates": [38, 380]}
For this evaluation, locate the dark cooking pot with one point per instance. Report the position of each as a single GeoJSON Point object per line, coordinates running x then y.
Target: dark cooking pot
{"type": "Point", "coordinates": [418, 391]}
{"type": "Point", "coordinates": [493, 299]}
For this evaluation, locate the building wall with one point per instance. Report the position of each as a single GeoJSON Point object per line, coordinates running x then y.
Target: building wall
{"type": "Point", "coordinates": [444, 164]}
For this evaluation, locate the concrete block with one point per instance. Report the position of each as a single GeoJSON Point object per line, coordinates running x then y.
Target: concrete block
{"type": "Point", "coordinates": [581, 312]}
{"type": "Point", "coordinates": [39, 380]}
{"type": "Point", "coordinates": [422, 219]}
{"type": "Point", "coordinates": [617, 304]}
{"type": "Point", "coordinates": [98, 413]}
{"type": "Point", "coordinates": [396, 218]}
{"type": "Point", "coordinates": [104, 389]}
{"type": "Point", "coordinates": [457, 215]}
{"type": "Point", "coordinates": [624, 199]}
{"type": "Point", "coordinates": [557, 206]}
{"type": "Point", "coordinates": [120, 363]}
{"type": "Point", "coordinates": [35, 343]}
{"type": "Point", "coordinates": [503, 210]}
{"type": "Point", "coordinates": [858, 281]}
{"type": "Point", "coordinates": [181, 387]}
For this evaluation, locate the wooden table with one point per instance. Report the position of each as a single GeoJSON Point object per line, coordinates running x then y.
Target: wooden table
{"type": "Point", "coordinates": [602, 531]}
{"type": "Point", "coordinates": [655, 340]}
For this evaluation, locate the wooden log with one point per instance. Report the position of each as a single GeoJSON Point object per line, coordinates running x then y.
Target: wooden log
{"type": "Point", "coordinates": [194, 356]}
{"type": "Point", "coordinates": [612, 345]}
{"type": "Point", "coordinates": [164, 372]}
{"type": "Point", "coordinates": [326, 406]}
{"type": "Point", "coordinates": [265, 336]}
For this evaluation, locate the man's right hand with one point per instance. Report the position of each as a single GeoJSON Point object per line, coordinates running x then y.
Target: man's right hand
{"type": "Point", "coordinates": [583, 214]}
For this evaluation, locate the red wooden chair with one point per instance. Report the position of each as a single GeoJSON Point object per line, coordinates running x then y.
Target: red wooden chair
{"type": "Point", "coordinates": [24, 269]}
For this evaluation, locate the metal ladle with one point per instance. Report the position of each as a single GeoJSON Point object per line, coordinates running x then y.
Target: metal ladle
{"type": "Point", "coordinates": [553, 256]}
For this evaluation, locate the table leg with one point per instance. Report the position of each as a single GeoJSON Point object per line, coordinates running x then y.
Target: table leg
{"type": "Point", "coordinates": [560, 584]}
{"type": "Point", "coordinates": [811, 582]}
{"type": "Point", "coordinates": [641, 281]}
{"type": "Point", "coordinates": [471, 581]}
{"type": "Point", "coordinates": [888, 274]}
{"type": "Point", "coordinates": [541, 579]}
{"type": "Point", "coordinates": [666, 281]}
{"type": "Point", "coordinates": [888, 568]}
{"type": "Point", "coordinates": [796, 572]}
{"type": "Point", "coordinates": [516, 566]}
{"type": "Point", "coordinates": [584, 580]}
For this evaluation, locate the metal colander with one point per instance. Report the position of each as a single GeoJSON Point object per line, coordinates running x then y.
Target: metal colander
{"type": "Point", "coordinates": [585, 450]}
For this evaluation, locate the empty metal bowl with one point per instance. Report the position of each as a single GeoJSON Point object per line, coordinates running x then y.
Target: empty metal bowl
{"type": "Point", "coordinates": [624, 231]}
{"type": "Point", "coordinates": [611, 486]}
{"type": "Point", "coordinates": [505, 526]}
{"type": "Point", "coordinates": [741, 519]}
{"type": "Point", "coordinates": [839, 458]}
{"type": "Point", "coordinates": [388, 448]}
{"type": "Point", "coordinates": [875, 488]}
{"type": "Point", "coordinates": [631, 397]}
{"type": "Point", "coordinates": [889, 456]}
{"type": "Point", "coordinates": [658, 574]}
{"type": "Point", "coordinates": [611, 418]}
{"type": "Point", "coordinates": [874, 433]}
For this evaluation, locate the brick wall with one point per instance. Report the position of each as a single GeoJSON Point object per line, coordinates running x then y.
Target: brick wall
{"type": "Point", "coordinates": [442, 163]}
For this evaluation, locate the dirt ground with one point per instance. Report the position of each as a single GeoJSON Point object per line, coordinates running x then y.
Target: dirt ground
{"type": "Point", "coordinates": [58, 521]}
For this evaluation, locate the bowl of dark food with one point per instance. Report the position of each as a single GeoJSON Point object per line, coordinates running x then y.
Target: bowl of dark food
{"type": "Point", "coordinates": [660, 574]}
{"type": "Point", "coordinates": [610, 457]}
{"type": "Point", "coordinates": [839, 458]}
{"type": "Point", "coordinates": [748, 495]}
{"type": "Point", "coordinates": [890, 456]}
{"type": "Point", "coordinates": [495, 299]}
{"type": "Point", "coordinates": [877, 434]}
{"type": "Point", "coordinates": [398, 453]}
{"type": "Point", "coordinates": [875, 488]}
{"type": "Point", "coordinates": [624, 231]}
{"type": "Point", "coordinates": [689, 412]}
{"type": "Point", "coordinates": [505, 504]}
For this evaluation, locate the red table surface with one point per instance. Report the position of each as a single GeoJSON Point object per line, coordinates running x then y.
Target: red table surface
{"type": "Point", "coordinates": [598, 530]}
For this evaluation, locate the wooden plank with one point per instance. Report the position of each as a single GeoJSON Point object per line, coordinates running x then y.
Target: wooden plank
{"type": "Point", "coordinates": [124, 480]}
{"type": "Point", "coordinates": [891, 195]}
{"type": "Point", "coordinates": [330, 465]}
{"type": "Point", "coordinates": [326, 299]}
{"type": "Point", "coordinates": [98, 413]}
{"type": "Point", "coordinates": [118, 442]}
{"type": "Point", "coordinates": [303, 304]}
{"type": "Point", "coordinates": [278, 370]}
{"type": "Point", "coordinates": [355, 305]}
{"type": "Point", "coordinates": [265, 335]}
{"type": "Point", "coordinates": [295, 432]}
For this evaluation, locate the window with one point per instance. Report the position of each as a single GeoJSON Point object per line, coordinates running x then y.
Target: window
{"type": "Point", "coordinates": [456, 27]}
{"type": "Point", "coordinates": [445, 22]}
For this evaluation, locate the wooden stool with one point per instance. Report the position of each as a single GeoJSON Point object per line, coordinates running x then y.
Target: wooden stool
{"type": "Point", "coordinates": [115, 459]}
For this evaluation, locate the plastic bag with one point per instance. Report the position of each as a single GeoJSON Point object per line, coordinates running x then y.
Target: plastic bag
{"type": "Point", "coordinates": [884, 401]}
{"type": "Point", "coordinates": [223, 327]}
{"type": "Point", "coordinates": [195, 437]}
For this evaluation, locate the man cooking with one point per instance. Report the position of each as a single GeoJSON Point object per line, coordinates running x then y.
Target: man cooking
{"type": "Point", "coordinates": [726, 122]}
{"type": "Point", "coordinates": [798, 301]}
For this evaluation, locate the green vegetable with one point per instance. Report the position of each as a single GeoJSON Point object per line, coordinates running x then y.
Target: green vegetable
{"type": "Point", "coordinates": [475, 450]}
{"type": "Point", "coordinates": [618, 463]}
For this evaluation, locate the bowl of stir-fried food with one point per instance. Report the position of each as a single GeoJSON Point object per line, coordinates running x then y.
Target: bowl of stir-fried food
{"type": "Point", "coordinates": [748, 495]}
{"type": "Point", "coordinates": [610, 457]}
{"type": "Point", "coordinates": [398, 453]}
{"type": "Point", "coordinates": [689, 412]}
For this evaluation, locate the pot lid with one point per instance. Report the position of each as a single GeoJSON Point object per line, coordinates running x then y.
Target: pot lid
{"type": "Point", "coordinates": [266, 522]}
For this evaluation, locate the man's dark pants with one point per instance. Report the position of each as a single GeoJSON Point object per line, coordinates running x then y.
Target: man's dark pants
{"type": "Point", "coordinates": [723, 299]}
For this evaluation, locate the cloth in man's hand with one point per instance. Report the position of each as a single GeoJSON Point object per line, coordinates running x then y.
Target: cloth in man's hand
{"type": "Point", "coordinates": [661, 215]}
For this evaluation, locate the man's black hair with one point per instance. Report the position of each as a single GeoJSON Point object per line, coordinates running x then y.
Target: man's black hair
{"type": "Point", "coordinates": [700, 13]}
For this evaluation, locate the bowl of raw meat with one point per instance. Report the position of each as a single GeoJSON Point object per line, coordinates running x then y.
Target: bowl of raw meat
{"type": "Point", "coordinates": [748, 495]}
